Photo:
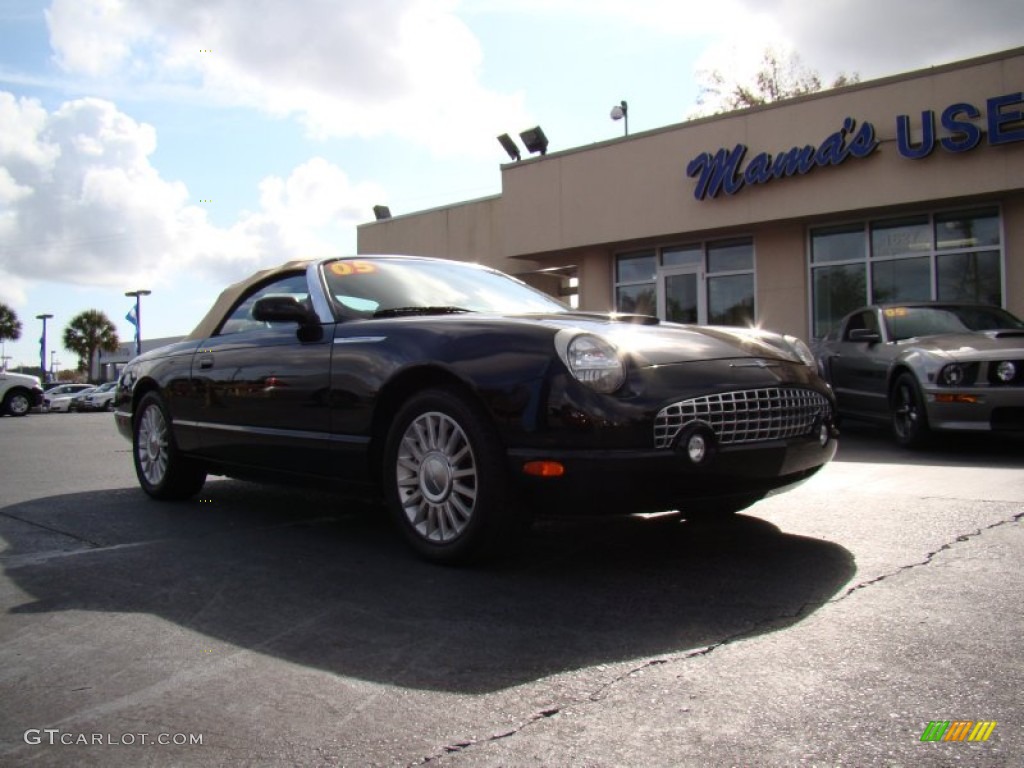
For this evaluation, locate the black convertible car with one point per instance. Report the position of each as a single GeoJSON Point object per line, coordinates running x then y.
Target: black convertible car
{"type": "Point", "coordinates": [471, 401]}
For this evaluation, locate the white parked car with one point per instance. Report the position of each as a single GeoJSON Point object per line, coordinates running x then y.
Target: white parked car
{"type": "Point", "coordinates": [19, 393]}
{"type": "Point", "coordinates": [59, 398]}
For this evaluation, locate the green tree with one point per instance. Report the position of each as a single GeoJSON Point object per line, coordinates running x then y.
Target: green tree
{"type": "Point", "coordinates": [86, 334]}
{"type": "Point", "coordinates": [780, 76]}
{"type": "Point", "coordinates": [10, 325]}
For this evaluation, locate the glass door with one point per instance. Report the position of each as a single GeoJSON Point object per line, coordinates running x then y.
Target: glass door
{"type": "Point", "coordinates": [681, 295]}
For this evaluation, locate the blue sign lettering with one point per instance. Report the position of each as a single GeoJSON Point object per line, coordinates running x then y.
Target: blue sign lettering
{"type": "Point", "coordinates": [999, 121]}
{"type": "Point", "coordinates": [721, 171]}
{"type": "Point", "coordinates": [964, 135]}
{"type": "Point", "coordinates": [1005, 125]}
{"type": "Point", "coordinates": [927, 145]}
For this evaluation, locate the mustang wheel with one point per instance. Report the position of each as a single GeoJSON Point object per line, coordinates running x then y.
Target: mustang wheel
{"type": "Point", "coordinates": [162, 471]}
{"type": "Point", "coordinates": [16, 403]}
{"type": "Point", "coordinates": [909, 420]}
{"type": "Point", "coordinates": [445, 481]}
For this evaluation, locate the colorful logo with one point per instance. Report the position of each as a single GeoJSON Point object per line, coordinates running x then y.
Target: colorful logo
{"type": "Point", "coordinates": [958, 730]}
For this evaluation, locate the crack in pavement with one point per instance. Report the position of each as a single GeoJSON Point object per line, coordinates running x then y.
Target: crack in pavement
{"type": "Point", "coordinates": [602, 691]}
{"type": "Point", "coordinates": [929, 557]}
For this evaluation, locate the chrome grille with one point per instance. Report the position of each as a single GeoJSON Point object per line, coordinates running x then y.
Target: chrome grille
{"type": "Point", "coordinates": [747, 416]}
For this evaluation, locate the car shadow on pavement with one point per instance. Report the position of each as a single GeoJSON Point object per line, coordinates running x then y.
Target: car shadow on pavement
{"type": "Point", "coordinates": [311, 579]}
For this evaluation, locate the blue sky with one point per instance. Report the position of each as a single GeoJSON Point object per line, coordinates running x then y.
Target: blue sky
{"type": "Point", "coordinates": [178, 145]}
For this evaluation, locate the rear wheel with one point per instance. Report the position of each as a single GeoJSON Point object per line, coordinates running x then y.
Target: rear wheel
{"type": "Point", "coordinates": [909, 419]}
{"type": "Point", "coordinates": [445, 480]}
{"type": "Point", "coordinates": [17, 403]}
{"type": "Point", "coordinates": [163, 472]}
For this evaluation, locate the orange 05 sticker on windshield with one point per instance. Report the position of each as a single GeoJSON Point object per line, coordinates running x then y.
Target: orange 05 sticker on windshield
{"type": "Point", "coordinates": [896, 312]}
{"type": "Point", "coordinates": [343, 268]}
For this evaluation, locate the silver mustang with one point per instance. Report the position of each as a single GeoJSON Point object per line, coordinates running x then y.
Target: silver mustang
{"type": "Point", "coordinates": [927, 366]}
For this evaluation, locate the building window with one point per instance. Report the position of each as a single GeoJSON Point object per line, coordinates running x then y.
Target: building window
{"type": "Point", "coordinates": [952, 256]}
{"type": "Point", "coordinates": [723, 274]}
{"type": "Point", "coordinates": [635, 275]}
{"type": "Point", "coordinates": [730, 283]}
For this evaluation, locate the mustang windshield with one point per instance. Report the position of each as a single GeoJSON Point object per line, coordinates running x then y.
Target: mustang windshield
{"type": "Point", "coordinates": [395, 287]}
{"type": "Point", "coordinates": [911, 322]}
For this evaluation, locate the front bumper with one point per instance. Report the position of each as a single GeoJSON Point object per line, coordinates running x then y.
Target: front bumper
{"type": "Point", "coordinates": [628, 482]}
{"type": "Point", "coordinates": [977, 409]}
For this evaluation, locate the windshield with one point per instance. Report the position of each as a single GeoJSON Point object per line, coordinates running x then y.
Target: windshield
{"type": "Point", "coordinates": [394, 287]}
{"type": "Point", "coordinates": [911, 322]}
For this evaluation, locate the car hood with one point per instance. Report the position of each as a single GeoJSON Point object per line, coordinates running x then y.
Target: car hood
{"type": "Point", "coordinates": [649, 341]}
{"type": "Point", "coordinates": [969, 346]}
{"type": "Point", "coordinates": [22, 378]}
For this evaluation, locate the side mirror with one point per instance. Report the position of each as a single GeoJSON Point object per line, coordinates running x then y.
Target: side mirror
{"type": "Point", "coordinates": [283, 309]}
{"type": "Point", "coordinates": [864, 334]}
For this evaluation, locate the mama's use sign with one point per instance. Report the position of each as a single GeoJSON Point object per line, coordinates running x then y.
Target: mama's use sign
{"type": "Point", "coordinates": [725, 170]}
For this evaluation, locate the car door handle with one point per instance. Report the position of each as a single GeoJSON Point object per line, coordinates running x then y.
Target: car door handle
{"type": "Point", "coordinates": [206, 361]}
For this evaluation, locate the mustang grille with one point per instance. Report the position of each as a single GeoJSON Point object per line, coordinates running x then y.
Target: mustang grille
{"type": "Point", "coordinates": [746, 416]}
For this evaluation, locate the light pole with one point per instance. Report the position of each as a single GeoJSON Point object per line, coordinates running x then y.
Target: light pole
{"type": "Point", "coordinates": [138, 317]}
{"type": "Point", "coordinates": [42, 344]}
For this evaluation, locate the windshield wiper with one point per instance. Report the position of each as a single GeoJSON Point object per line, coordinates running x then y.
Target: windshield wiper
{"type": "Point", "coordinates": [401, 311]}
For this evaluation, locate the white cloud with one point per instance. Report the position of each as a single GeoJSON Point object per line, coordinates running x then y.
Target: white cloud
{"type": "Point", "coordinates": [409, 68]}
{"type": "Point", "coordinates": [81, 204]}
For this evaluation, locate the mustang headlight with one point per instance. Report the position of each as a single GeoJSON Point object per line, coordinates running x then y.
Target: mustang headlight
{"type": "Point", "coordinates": [1006, 371]}
{"type": "Point", "coordinates": [958, 374]}
{"type": "Point", "coordinates": [591, 360]}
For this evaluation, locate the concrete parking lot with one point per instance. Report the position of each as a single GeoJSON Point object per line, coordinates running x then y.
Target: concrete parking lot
{"type": "Point", "coordinates": [268, 626]}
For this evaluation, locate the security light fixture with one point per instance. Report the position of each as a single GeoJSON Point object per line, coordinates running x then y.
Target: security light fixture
{"type": "Point", "coordinates": [510, 146]}
{"type": "Point", "coordinates": [621, 112]}
{"type": "Point", "coordinates": [381, 212]}
{"type": "Point", "coordinates": [535, 140]}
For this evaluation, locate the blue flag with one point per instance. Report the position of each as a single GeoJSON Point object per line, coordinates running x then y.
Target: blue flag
{"type": "Point", "coordinates": [131, 318]}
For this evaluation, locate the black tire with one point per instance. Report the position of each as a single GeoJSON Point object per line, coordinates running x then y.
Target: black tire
{"type": "Point", "coordinates": [445, 480]}
{"type": "Point", "coordinates": [909, 418]}
{"type": "Point", "coordinates": [163, 472]}
{"type": "Point", "coordinates": [17, 402]}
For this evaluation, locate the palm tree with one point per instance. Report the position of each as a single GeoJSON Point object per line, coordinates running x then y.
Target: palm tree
{"type": "Point", "coordinates": [10, 325]}
{"type": "Point", "coordinates": [88, 332]}
{"type": "Point", "coordinates": [10, 330]}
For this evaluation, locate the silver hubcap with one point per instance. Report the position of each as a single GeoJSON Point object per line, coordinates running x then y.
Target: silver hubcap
{"type": "Point", "coordinates": [906, 410]}
{"type": "Point", "coordinates": [152, 445]}
{"type": "Point", "coordinates": [436, 477]}
{"type": "Point", "coordinates": [19, 405]}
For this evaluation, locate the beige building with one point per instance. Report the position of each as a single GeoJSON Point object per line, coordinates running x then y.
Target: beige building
{"type": "Point", "coordinates": [787, 215]}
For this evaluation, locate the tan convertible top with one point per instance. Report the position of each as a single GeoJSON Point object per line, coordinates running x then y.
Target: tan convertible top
{"type": "Point", "coordinates": [230, 296]}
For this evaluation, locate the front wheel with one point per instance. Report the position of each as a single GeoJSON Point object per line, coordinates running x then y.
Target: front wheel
{"type": "Point", "coordinates": [17, 403]}
{"type": "Point", "coordinates": [162, 471]}
{"type": "Point", "coordinates": [909, 419]}
{"type": "Point", "coordinates": [445, 480]}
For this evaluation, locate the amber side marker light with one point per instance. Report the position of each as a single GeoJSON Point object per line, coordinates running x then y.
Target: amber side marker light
{"type": "Point", "coordinates": [544, 468]}
{"type": "Point", "coordinates": [971, 399]}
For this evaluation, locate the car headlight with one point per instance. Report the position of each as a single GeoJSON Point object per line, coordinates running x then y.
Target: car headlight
{"type": "Point", "coordinates": [958, 374]}
{"type": "Point", "coordinates": [591, 360]}
{"type": "Point", "coordinates": [800, 349]}
{"type": "Point", "coordinates": [1006, 371]}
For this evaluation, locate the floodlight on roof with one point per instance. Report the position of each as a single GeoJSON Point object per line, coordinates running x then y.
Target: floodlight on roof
{"type": "Point", "coordinates": [535, 140]}
{"type": "Point", "coordinates": [381, 212]}
{"type": "Point", "coordinates": [510, 146]}
{"type": "Point", "coordinates": [621, 111]}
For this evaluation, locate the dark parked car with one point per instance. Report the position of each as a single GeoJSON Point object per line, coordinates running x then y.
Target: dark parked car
{"type": "Point", "coordinates": [471, 400]}
{"type": "Point", "coordinates": [928, 366]}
